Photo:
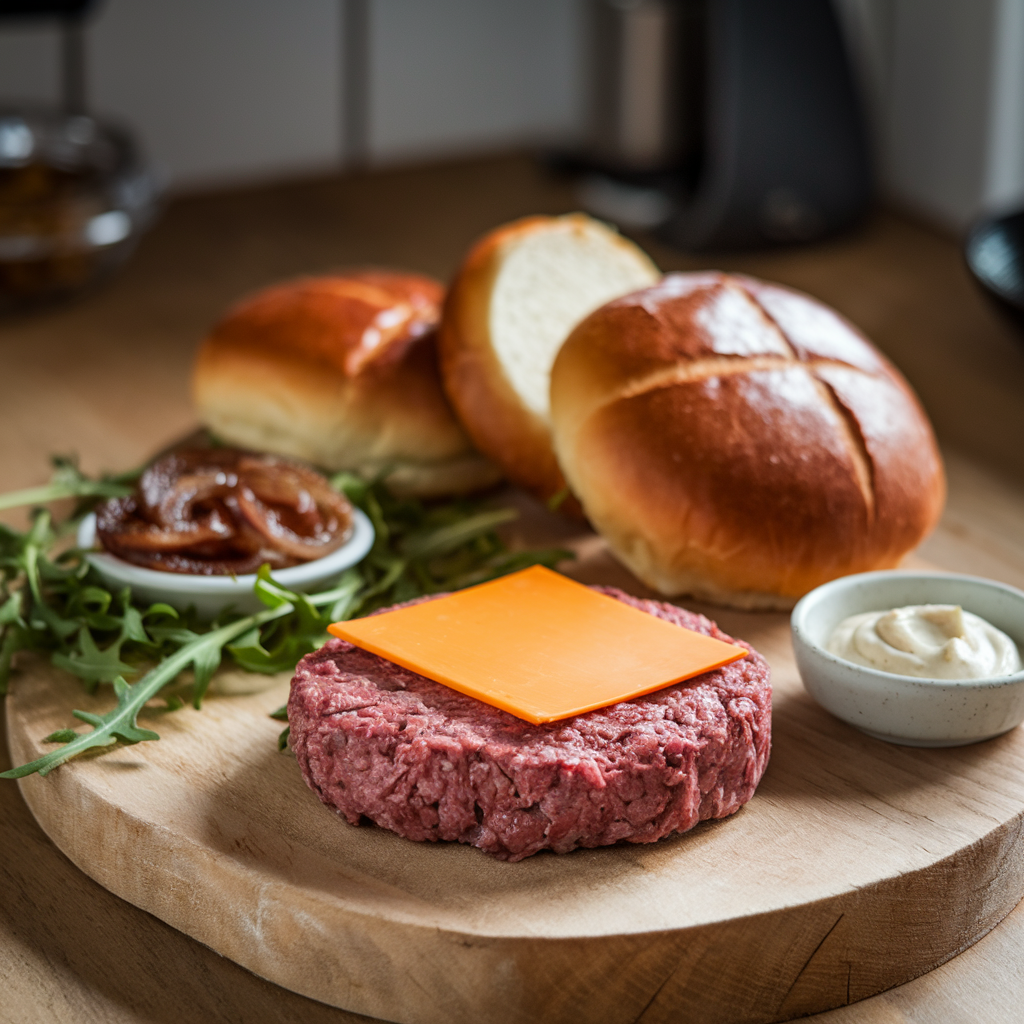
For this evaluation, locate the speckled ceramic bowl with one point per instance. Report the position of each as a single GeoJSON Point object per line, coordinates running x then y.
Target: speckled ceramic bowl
{"type": "Point", "coordinates": [210, 595]}
{"type": "Point", "coordinates": [902, 709]}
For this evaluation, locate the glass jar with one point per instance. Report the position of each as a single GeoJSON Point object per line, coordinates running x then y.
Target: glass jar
{"type": "Point", "coordinates": [74, 199]}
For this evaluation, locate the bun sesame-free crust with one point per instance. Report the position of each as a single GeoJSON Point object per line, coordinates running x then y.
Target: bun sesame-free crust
{"type": "Point", "coordinates": [741, 442]}
{"type": "Point", "coordinates": [519, 292]}
{"type": "Point", "coordinates": [341, 371]}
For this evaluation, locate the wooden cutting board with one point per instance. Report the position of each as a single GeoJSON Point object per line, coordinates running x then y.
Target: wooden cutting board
{"type": "Point", "coordinates": [856, 866]}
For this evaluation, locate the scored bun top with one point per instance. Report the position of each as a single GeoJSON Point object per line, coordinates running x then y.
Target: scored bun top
{"type": "Point", "coordinates": [740, 441]}
{"type": "Point", "coordinates": [519, 292]}
{"type": "Point", "coordinates": [341, 371]}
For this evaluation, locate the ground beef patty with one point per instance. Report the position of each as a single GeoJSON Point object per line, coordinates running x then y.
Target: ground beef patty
{"type": "Point", "coordinates": [375, 740]}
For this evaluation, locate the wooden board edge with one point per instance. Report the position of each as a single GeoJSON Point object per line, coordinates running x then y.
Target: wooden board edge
{"type": "Point", "coordinates": [777, 966]}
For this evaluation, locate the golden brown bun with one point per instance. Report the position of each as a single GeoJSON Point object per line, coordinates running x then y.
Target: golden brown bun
{"type": "Point", "coordinates": [340, 371]}
{"type": "Point", "coordinates": [741, 442]}
{"type": "Point", "coordinates": [520, 291]}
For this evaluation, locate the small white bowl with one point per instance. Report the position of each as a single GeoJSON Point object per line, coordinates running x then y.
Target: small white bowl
{"type": "Point", "coordinates": [211, 594]}
{"type": "Point", "coordinates": [902, 709]}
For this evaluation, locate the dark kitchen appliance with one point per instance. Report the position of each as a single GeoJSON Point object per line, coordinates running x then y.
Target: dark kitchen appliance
{"type": "Point", "coordinates": [742, 115]}
{"type": "Point", "coordinates": [995, 256]}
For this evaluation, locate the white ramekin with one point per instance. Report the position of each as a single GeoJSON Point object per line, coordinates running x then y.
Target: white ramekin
{"type": "Point", "coordinates": [902, 709]}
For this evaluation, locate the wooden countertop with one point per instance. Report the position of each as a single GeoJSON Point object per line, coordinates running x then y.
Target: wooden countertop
{"type": "Point", "coordinates": [107, 377]}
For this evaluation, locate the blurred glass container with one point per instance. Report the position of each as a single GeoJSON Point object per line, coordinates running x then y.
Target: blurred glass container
{"type": "Point", "coordinates": [74, 199]}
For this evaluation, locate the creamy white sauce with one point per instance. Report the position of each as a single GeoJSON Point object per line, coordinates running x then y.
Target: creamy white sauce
{"type": "Point", "coordinates": [929, 641]}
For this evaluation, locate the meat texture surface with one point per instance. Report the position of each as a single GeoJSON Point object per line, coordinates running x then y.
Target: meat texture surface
{"type": "Point", "coordinates": [377, 741]}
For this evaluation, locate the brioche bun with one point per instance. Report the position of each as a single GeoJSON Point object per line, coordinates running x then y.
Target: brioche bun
{"type": "Point", "coordinates": [740, 442]}
{"type": "Point", "coordinates": [520, 291]}
{"type": "Point", "coordinates": [340, 371]}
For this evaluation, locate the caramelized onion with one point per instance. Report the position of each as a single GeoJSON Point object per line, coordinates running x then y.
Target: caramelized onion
{"type": "Point", "coordinates": [220, 511]}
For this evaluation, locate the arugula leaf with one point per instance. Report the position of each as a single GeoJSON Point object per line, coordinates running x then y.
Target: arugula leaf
{"type": "Point", "coordinates": [13, 640]}
{"type": "Point", "coordinates": [61, 736]}
{"type": "Point", "coordinates": [205, 661]}
{"type": "Point", "coordinates": [445, 539]}
{"type": "Point", "coordinates": [307, 631]}
{"type": "Point", "coordinates": [120, 723]}
{"type": "Point", "coordinates": [10, 611]}
{"type": "Point", "coordinates": [68, 482]}
{"type": "Point", "coordinates": [557, 499]}
{"type": "Point", "coordinates": [42, 615]}
{"type": "Point", "coordinates": [91, 664]}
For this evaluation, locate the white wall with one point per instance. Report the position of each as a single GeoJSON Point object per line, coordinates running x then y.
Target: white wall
{"type": "Point", "coordinates": [945, 83]}
{"type": "Point", "coordinates": [1004, 180]}
{"type": "Point", "coordinates": [227, 90]}
{"type": "Point", "coordinates": [451, 75]}
{"type": "Point", "coordinates": [29, 69]}
{"type": "Point", "coordinates": [218, 90]}
{"type": "Point", "coordinates": [939, 106]}
{"type": "Point", "coordinates": [222, 89]}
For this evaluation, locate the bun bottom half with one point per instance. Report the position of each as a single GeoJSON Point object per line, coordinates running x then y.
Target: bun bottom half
{"type": "Point", "coordinates": [373, 427]}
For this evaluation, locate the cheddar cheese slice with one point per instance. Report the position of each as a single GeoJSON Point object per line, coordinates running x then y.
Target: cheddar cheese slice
{"type": "Point", "coordinates": [538, 645]}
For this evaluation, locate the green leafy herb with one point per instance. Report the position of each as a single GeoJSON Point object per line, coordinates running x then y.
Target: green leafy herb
{"type": "Point", "coordinates": [120, 723]}
{"type": "Point", "coordinates": [69, 482]}
{"type": "Point", "coordinates": [53, 603]}
{"type": "Point", "coordinates": [422, 549]}
{"type": "Point", "coordinates": [558, 499]}
{"type": "Point", "coordinates": [281, 714]}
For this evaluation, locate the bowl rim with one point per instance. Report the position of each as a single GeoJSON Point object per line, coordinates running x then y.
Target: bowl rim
{"type": "Point", "coordinates": [821, 593]}
{"type": "Point", "coordinates": [979, 231]}
{"type": "Point", "coordinates": [177, 583]}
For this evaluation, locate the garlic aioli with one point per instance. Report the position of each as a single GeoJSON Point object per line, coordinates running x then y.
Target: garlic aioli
{"type": "Point", "coordinates": [929, 641]}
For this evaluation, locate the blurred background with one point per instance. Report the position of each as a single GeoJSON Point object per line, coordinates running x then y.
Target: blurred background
{"type": "Point", "coordinates": [227, 91]}
{"type": "Point", "coordinates": [843, 147]}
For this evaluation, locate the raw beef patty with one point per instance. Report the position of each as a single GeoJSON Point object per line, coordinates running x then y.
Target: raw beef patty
{"type": "Point", "coordinates": [378, 741]}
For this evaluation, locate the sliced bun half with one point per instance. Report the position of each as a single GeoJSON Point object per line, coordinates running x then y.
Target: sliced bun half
{"type": "Point", "coordinates": [341, 371]}
{"type": "Point", "coordinates": [519, 293]}
{"type": "Point", "coordinates": [741, 442]}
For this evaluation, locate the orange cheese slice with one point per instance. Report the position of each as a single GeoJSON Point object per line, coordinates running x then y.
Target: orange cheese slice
{"type": "Point", "coordinates": [538, 645]}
